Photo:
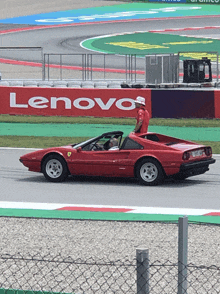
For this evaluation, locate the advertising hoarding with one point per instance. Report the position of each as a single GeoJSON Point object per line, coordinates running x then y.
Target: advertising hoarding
{"type": "Point", "coordinates": [71, 102]}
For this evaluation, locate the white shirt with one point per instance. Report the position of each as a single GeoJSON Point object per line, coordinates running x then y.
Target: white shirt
{"type": "Point", "coordinates": [114, 148]}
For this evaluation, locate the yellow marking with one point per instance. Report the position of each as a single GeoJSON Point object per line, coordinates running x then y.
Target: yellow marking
{"type": "Point", "coordinates": [199, 55]}
{"type": "Point", "coordinates": [134, 45]}
{"type": "Point", "coordinates": [69, 154]}
{"type": "Point", "coordinates": [188, 43]}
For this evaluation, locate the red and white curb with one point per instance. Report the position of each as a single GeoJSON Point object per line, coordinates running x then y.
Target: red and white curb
{"type": "Point", "coordinates": [185, 29]}
{"type": "Point", "coordinates": [108, 208]}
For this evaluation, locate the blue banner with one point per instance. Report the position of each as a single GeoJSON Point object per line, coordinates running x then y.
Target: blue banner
{"type": "Point", "coordinates": [130, 11]}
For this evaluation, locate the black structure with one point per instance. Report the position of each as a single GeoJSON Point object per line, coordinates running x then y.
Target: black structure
{"type": "Point", "coordinates": [197, 70]}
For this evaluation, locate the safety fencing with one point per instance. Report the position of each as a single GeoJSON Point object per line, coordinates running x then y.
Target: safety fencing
{"type": "Point", "coordinates": [130, 68]}
{"type": "Point", "coordinates": [93, 67]}
{"type": "Point", "coordinates": [192, 267]}
{"type": "Point", "coordinates": [146, 69]}
{"type": "Point", "coordinates": [57, 275]}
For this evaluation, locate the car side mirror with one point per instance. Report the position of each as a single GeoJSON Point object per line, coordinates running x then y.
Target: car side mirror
{"type": "Point", "coordinates": [79, 149]}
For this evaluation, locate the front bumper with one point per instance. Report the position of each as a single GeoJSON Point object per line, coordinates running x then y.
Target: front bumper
{"type": "Point", "coordinates": [195, 168]}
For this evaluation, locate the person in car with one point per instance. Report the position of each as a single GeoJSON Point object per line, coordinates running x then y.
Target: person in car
{"type": "Point", "coordinates": [113, 144]}
{"type": "Point", "coordinates": [143, 117]}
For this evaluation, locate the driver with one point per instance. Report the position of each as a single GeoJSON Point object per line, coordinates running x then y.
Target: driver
{"type": "Point", "coordinates": [97, 147]}
{"type": "Point", "coordinates": [113, 144]}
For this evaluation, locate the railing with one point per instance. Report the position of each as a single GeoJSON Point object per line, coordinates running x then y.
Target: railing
{"type": "Point", "coordinates": [31, 63]}
{"type": "Point", "coordinates": [93, 67]}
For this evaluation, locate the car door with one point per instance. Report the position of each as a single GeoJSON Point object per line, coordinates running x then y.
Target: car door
{"type": "Point", "coordinates": [100, 163]}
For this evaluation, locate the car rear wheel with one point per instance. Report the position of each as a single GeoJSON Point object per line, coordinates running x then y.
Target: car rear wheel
{"type": "Point", "coordinates": [55, 168]}
{"type": "Point", "coordinates": [149, 172]}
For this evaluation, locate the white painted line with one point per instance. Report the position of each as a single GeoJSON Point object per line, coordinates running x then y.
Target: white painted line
{"type": "Point", "coordinates": [173, 211]}
{"type": "Point", "coordinates": [133, 209]}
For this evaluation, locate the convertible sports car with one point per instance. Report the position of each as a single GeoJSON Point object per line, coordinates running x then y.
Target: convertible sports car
{"type": "Point", "coordinates": [149, 157]}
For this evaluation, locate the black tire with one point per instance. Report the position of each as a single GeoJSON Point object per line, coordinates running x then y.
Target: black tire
{"type": "Point", "coordinates": [55, 168]}
{"type": "Point", "coordinates": [149, 172]}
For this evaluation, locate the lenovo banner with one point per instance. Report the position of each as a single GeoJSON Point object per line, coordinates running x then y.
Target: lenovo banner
{"type": "Point", "coordinates": [71, 102]}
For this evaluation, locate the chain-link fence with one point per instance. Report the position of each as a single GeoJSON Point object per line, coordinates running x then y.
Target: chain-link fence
{"type": "Point", "coordinates": [72, 256]}
{"type": "Point", "coordinates": [59, 274]}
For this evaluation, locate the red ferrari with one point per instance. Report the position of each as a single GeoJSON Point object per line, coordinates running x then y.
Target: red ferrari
{"type": "Point", "coordinates": [149, 157]}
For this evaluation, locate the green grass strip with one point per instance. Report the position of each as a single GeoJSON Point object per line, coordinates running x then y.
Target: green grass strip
{"type": "Point", "coordinates": [104, 216]}
{"type": "Point", "coordinates": [175, 122]}
{"type": "Point", "coordinates": [93, 130]}
{"type": "Point", "coordinates": [65, 125]}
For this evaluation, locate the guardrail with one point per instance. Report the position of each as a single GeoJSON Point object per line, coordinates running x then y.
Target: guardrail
{"type": "Point", "coordinates": [93, 67]}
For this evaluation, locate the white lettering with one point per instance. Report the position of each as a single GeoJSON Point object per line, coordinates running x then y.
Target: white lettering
{"type": "Point", "coordinates": [122, 14]}
{"type": "Point", "coordinates": [55, 99]}
{"type": "Point", "coordinates": [90, 102]}
{"type": "Point", "coordinates": [208, 1]}
{"type": "Point", "coordinates": [13, 102]}
{"type": "Point", "coordinates": [83, 103]}
{"type": "Point", "coordinates": [38, 102]}
{"type": "Point", "coordinates": [106, 106]}
{"type": "Point", "coordinates": [121, 101]}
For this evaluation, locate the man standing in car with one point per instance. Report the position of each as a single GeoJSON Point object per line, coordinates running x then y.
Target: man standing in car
{"type": "Point", "coordinates": [143, 116]}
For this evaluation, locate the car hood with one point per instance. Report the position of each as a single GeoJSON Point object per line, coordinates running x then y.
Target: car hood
{"type": "Point", "coordinates": [37, 154]}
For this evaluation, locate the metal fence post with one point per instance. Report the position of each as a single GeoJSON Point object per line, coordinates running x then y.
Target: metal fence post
{"type": "Point", "coordinates": [43, 64]}
{"type": "Point", "coordinates": [182, 255]}
{"type": "Point", "coordinates": [142, 256]}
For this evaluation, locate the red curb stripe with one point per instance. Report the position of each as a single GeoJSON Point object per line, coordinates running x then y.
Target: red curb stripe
{"type": "Point", "coordinates": [36, 64]}
{"type": "Point", "coordinates": [98, 209]}
{"type": "Point", "coordinates": [212, 214]}
{"type": "Point", "coordinates": [185, 29]}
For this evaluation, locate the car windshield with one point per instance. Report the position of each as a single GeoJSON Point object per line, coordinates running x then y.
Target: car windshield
{"type": "Point", "coordinates": [100, 142]}
{"type": "Point", "coordinates": [83, 143]}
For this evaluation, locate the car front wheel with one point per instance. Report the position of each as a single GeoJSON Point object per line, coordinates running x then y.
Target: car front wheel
{"type": "Point", "coordinates": [54, 168]}
{"type": "Point", "coordinates": [149, 172]}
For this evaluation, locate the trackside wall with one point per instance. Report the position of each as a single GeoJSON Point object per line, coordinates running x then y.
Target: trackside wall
{"type": "Point", "coordinates": [163, 103]}
{"type": "Point", "coordinates": [71, 102]}
{"type": "Point", "coordinates": [183, 103]}
{"type": "Point", "coordinates": [217, 103]}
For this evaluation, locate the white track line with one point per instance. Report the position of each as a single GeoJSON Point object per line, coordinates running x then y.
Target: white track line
{"type": "Point", "coordinates": [132, 209]}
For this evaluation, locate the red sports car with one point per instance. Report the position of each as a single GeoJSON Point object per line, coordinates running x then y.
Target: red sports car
{"type": "Point", "coordinates": [149, 157]}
